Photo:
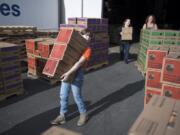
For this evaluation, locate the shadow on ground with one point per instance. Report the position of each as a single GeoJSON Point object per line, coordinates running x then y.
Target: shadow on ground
{"type": "Point", "coordinates": [31, 87]}
{"type": "Point", "coordinates": [115, 97]}
{"type": "Point", "coordinates": [41, 122]}
{"type": "Point", "coordinates": [38, 124]}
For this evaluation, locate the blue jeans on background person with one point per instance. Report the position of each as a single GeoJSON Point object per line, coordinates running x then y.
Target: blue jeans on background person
{"type": "Point", "coordinates": [75, 86]}
{"type": "Point", "coordinates": [124, 50]}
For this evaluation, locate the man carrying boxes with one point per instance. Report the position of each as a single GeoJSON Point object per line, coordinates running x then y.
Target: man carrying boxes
{"type": "Point", "coordinates": [73, 79]}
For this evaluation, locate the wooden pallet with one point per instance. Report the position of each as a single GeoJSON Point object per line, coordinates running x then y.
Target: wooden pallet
{"type": "Point", "coordinates": [7, 95]}
{"type": "Point", "coordinates": [95, 67]}
{"type": "Point", "coordinates": [140, 69]}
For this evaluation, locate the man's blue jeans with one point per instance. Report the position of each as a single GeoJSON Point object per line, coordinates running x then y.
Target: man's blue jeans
{"type": "Point", "coordinates": [125, 50]}
{"type": "Point", "coordinates": [75, 86]}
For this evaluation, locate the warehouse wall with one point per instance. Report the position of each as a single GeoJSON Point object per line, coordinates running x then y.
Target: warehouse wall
{"type": "Point", "coordinates": [81, 8]}
{"type": "Point", "coordinates": [72, 8]}
{"type": "Point", "coordinates": [40, 13]}
{"type": "Point", "coordinates": [92, 8]}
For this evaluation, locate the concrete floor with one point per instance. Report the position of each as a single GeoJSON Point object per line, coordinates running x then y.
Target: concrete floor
{"type": "Point", "coordinates": [113, 95]}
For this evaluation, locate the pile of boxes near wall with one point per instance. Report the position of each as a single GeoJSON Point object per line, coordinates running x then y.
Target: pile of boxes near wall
{"type": "Point", "coordinates": [155, 37]}
{"type": "Point", "coordinates": [10, 71]}
{"type": "Point", "coordinates": [38, 51]}
{"type": "Point", "coordinates": [17, 35]}
{"type": "Point", "coordinates": [26, 30]}
{"type": "Point", "coordinates": [163, 72]}
{"type": "Point", "coordinates": [100, 40]}
{"type": "Point", "coordinates": [67, 50]}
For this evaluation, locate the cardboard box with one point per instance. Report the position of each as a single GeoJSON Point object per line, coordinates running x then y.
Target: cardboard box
{"type": "Point", "coordinates": [174, 49]}
{"type": "Point", "coordinates": [94, 28]}
{"type": "Point", "coordinates": [70, 26]}
{"type": "Point", "coordinates": [171, 91]}
{"type": "Point", "coordinates": [59, 131]}
{"type": "Point", "coordinates": [155, 56]}
{"type": "Point", "coordinates": [170, 35]}
{"type": "Point", "coordinates": [31, 60]}
{"type": "Point", "coordinates": [72, 20]}
{"type": "Point", "coordinates": [102, 37]}
{"type": "Point", "coordinates": [170, 70]}
{"type": "Point", "coordinates": [104, 21]}
{"type": "Point", "coordinates": [16, 86]}
{"type": "Point", "coordinates": [45, 48]}
{"type": "Point", "coordinates": [56, 68]}
{"type": "Point", "coordinates": [152, 33]}
{"type": "Point", "coordinates": [153, 79]}
{"type": "Point", "coordinates": [169, 42]}
{"type": "Point", "coordinates": [65, 53]}
{"type": "Point", "coordinates": [68, 49]}
{"type": "Point", "coordinates": [88, 21]}
{"type": "Point", "coordinates": [70, 36]}
{"type": "Point", "coordinates": [98, 45]}
{"type": "Point", "coordinates": [32, 45]}
{"type": "Point", "coordinates": [11, 69]}
{"type": "Point", "coordinates": [127, 33]}
{"type": "Point", "coordinates": [160, 117]}
{"type": "Point", "coordinates": [149, 94]}
{"type": "Point", "coordinates": [8, 47]}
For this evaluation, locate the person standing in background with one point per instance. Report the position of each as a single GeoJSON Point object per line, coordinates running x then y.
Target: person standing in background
{"type": "Point", "coordinates": [150, 23]}
{"type": "Point", "coordinates": [125, 44]}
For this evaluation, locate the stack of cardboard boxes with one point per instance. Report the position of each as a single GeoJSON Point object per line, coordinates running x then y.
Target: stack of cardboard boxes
{"type": "Point", "coordinates": [163, 74]}
{"type": "Point", "coordinates": [155, 37]}
{"type": "Point", "coordinates": [10, 71]}
{"type": "Point", "coordinates": [38, 51]}
{"type": "Point", "coordinates": [170, 77]}
{"type": "Point", "coordinates": [67, 50]}
{"type": "Point", "coordinates": [99, 42]}
{"type": "Point", "coordinates": [155, 56]}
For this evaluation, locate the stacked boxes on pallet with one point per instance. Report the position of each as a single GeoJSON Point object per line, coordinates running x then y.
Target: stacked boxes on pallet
{"type": "Point", "coordinates": [10, 70]}
{"type": "Point", "coordinates": [148, 38]}
{"type": "Point", "coordinates": [72, 21]}
{"type": "Point", "coordinates": [163, 74]}
{"type": "Point", "coordinates": [155, 56]}
{"type": "Point", "coordinates": [100, 40]}
{"type": "Point", "coordinates": [20, 41]}
{"type": "Point", "coordinates": [171, 75]}
{"type": "Point", "coordinates": [38, 51]}
{"type": "Point", "coordinates": [67, 50]}
{"type": "Point", "coordinates": [155, 37]}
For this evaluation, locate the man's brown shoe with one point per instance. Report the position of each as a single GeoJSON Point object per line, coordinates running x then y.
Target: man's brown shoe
{"type": "Point", "coordinates": [82, 120]}
{"type": "Point", "coordinates": [59, 120]}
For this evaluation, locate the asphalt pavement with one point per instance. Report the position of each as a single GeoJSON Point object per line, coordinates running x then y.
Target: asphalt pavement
{"type": "Point", "coordinates": [113, 94]}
